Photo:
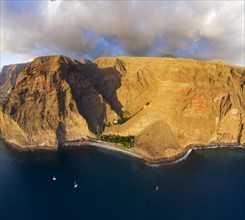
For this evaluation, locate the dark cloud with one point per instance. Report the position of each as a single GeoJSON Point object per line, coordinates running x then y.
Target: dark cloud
{"type": "Point", "coordinates": [110, 28]}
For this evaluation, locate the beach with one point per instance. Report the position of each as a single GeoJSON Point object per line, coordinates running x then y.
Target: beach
{"type": "Point", "coordinates": [165, 160]}
{"type": "Point", "coordinates": [128, 151]}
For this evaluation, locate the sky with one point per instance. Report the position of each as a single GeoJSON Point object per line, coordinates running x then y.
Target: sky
{"type": "Point", "coordinates": [89, 29]}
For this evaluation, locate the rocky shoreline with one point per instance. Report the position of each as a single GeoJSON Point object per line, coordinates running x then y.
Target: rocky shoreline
{"type": "Point", "coordinates": [187, 151]}
{"type": "Point", "coordinates": [28, 149]}
{"type": "Point", "coordinates": [130, 152]}
{"type": "Point", "coordinates": [156, 100]}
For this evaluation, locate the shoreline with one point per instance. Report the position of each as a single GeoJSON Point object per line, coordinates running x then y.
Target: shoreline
{"type": "Point", "coordinates": [102, 145]}
{"type": "Point", "coordinates": [28, 149]}
{"type": "Point", "coordinates": [188, 150]}
{"type": "Point", "coordinates": [111, 147]}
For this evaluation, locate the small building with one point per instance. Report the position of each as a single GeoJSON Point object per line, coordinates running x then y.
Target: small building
{"type": "Point", "coordinates": [234, 111]}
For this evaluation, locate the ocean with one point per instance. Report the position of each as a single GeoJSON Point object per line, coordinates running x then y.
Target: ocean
{"type": "Point", "coordinates": [209, 184]}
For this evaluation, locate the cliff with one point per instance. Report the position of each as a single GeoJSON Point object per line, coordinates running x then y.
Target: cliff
{"type": "Point", "coordinates": [8, 76]}
{"type": "Point", "coordinates": [197, 102]}
{"type": "Point", "coordinates": [166, 103]}
{"type": "Point", "coordinates": [53, 101]}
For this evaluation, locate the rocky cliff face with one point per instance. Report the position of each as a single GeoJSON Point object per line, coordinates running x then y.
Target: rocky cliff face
{"type": "Point", "coordinates": [8, 76]}
{"type": "Point", "coordinates": [200, 102]}
{"type": "Point", "coordinates": [53, 101]}
{"type": "Point", "coordinates": [167, 103]}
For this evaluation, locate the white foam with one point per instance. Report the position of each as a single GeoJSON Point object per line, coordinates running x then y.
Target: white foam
{"type": "Point", "coordinates": [185, 156]}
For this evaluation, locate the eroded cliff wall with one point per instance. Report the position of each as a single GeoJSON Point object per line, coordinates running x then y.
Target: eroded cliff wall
{"type": "Point", "coordinates": [167, 103]}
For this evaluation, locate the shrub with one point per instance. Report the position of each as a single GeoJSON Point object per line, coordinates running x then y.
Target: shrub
{"type": "Point", "coordinates": [125, 114]}
{"type": "Point", "coordinates": [126, 141]}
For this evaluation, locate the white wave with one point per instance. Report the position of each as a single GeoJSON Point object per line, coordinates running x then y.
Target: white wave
{"type": "Point", "coordinates": [185, 156]}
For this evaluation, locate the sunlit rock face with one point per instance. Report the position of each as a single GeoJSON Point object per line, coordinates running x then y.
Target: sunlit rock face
{"type": "Point", "coordinates": [196, 102]}
{"type": "Point", "coordinates": [52, 102]}
{"type": "Point", "coordinates": [166, 103]}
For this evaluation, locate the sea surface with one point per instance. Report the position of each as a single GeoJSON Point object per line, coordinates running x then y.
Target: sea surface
{"type": "Point", "coordinates": [209, 184]}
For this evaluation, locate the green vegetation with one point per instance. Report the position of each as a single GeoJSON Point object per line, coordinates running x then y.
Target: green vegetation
{"type": "Point", "coordinates": [127, 141]}
{"type": "Point", "coordinates": [121, 121]}
{"type": "Point", "coordinates": [124, 118]}
{"type": "Point", "coordinates": [125, 114]}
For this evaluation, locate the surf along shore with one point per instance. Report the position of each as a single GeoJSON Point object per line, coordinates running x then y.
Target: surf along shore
{"type": "Point", "coordinates": [130, 152]}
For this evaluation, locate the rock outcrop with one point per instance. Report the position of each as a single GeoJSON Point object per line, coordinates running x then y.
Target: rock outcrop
{"type": "Point", "coordinates": [166, 103]}
{"type": "Point", "coordinates": [53, 101]}
{"type": "Point", "coordinates": [201, 102]}
{"type": "Point", "coordinates": [8, 76]}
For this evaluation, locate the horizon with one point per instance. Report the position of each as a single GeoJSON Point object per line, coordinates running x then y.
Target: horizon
{"type": "Point", "coordinates": [165, 56]}
{"type": "Point", "coordinates": [143, 29]}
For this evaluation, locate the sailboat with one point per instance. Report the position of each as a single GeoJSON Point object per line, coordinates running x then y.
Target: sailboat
{"type": "Point", "coordinates": [54, 178]}
{"type": "Point", "coordinates": [75, 184]}
{"type": "Point", "coordinates": [157, 188]}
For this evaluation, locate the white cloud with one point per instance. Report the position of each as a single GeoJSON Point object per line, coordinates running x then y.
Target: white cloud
{"type": "Point", "coordinates": [74, 28]}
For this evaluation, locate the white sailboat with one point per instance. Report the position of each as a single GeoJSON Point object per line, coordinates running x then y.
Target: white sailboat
{"type": "Point", "coordinates": [157, 188]}
{"type": "Point", "coordinates": [54, 178]}
{"type": "Point", "coordinates": [75, 184]}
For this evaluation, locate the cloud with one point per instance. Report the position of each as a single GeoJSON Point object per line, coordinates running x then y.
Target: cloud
{"type": "Point", "coordinates": [207, 30]}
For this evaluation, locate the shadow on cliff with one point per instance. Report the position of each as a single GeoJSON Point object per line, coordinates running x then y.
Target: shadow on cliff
{"type": "Point", "coordinates": [91, 88]}
{"type": "Point", "coordinates": [106, 81]}
{"type": "Point", "coordinates": [60, 133]}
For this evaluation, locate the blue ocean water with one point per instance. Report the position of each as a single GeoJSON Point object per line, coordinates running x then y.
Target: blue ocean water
{"type": "Point", "coordinates": [209, 184]}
